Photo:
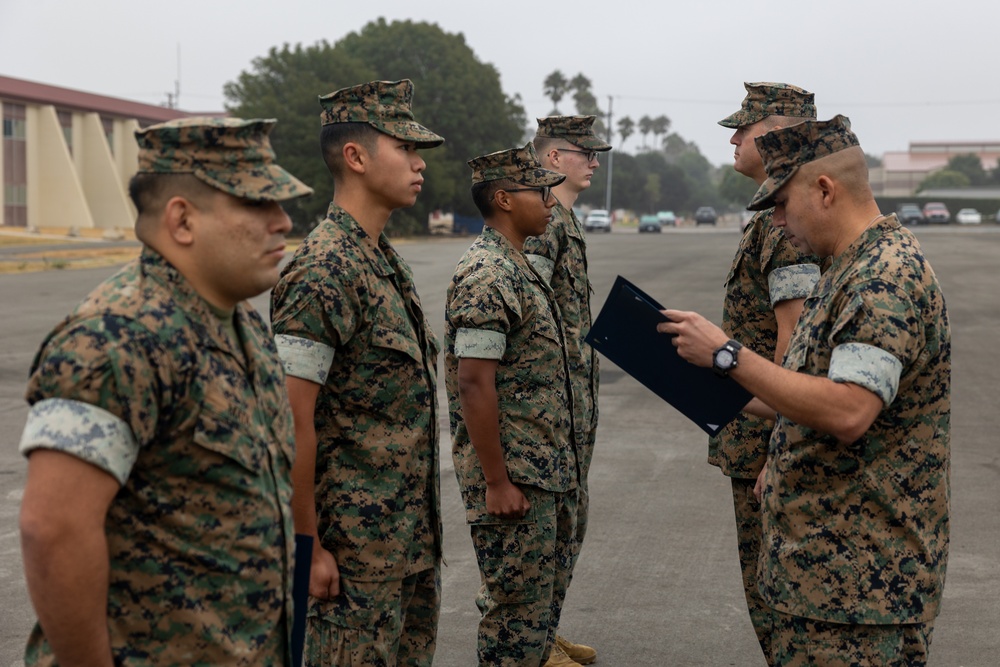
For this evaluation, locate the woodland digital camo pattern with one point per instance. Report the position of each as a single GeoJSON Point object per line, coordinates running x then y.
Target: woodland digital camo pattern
{"type": "Point", "coordinates": [229, 154]}
{"type": "Point", "coordinates": [786, 149]}
{"type": "Point", "coordinates": [494, 289]}
{"type": "Point", "coordinates": [377, 485]}
{"type": "Point", "coordinates": [380, 630]}
{"type": "Point", "coordinates": [526, 566]}
{"type": "Point", "coordinates": [519, 165]}
{"type": "Point", "coordinates": [385, 105]}
{"type": "Point", "coordinates": [525, 563]}
{"type": "Point", "coordinates": [578, 130]}
{"type": "Point", "coordinates": [765, 99]}
{"type": "Point", "coordinates": [837, 645]}
{"type": "Point", "coordinates": [764, 258]}
{"type": "Point", "coordinates": [200, 536]}
{"type": "Point", "coordinates": [858, 533]}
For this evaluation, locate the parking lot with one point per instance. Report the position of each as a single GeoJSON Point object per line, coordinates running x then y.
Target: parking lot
{"type": "Point", "coordinates": [658, 583]}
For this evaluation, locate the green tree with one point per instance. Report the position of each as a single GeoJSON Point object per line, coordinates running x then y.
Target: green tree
{"type": "Point", "coordinates": [872, 161]}
{"type": "Point", "coordinates": [735, 188]}
{"type": "Point", "coordinates": [944, 178]}
{"type": "Point", "coordinates": [645, 127]}
{"type": "Point", "coordinates": [659, 126]}
{"type": "Point", "coordinates": [455, 95]}
{"type": "Point", "coordinates": [586, 103]}
{"type": "Point", "coordinates": [556, 86]}
{"type": "Point", "coordinates": [626, 128]}
{"type": "Point", "coordinates": [970, 165]}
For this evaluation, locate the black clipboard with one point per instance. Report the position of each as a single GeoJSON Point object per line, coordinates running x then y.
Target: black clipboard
{"type": "Point", "coordinates": [625, 332]}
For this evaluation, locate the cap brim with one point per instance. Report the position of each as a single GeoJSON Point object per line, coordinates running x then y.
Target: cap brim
{"type": "Point", "coordinates": [411, 131]}
{"type": "Point", "coordinates": [593, 143]}
{"type": "Point", "coordinates": [266, 183]}
{"type": "Point", "coordinates": [741, 118]}
{"type": "Point", "coordinates": [540, 178]}
{"type": "Point", "coordinates": [764, 197]}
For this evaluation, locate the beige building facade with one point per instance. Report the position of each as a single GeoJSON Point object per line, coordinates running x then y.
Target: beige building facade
{"type": "Point", "coordinates": [902, 172]}
{"type": "Point", "coordinates": [66, 156]}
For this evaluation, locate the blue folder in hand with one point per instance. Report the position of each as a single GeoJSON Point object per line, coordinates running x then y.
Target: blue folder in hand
{"type": "Point", "coordinates": [625, 332]}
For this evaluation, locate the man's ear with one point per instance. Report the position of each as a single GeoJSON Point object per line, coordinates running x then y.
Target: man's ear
{"type": "Point", "coordinates": [827, 188]}
{"type": "Point", "coordinates": [179, 219]}
{"type": "Point", "coordinates": [502, 200]}
{"type": "Point", "coordinates": [356, 157]}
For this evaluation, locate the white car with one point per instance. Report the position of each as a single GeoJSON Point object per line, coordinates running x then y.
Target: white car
{"type": "Point", "coordinates": [597, 220]}
{"type": "Point", "coordinates": [969, 216]}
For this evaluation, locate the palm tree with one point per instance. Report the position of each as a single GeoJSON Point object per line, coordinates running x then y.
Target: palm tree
{"type": "Point", "coordinates": [555, 86]}
{"type": "Point", "coordinates": [659, 126]}
{"type": "Point", "coordinates": [626, 128]}
{"type": "Point", "coordinates": [645, 127]}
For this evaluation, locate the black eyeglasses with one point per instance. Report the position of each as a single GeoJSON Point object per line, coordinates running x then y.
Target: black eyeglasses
{"type": "Point", "coordinates": [590, 155]}
{"type": "Point", "coordinates": [546, 190]}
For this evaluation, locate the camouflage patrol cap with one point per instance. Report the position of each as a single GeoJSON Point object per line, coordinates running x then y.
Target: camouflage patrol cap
{"type": "Point", "coordinates": [229, 154]}
{"type": "Point", "coordinates": [771, 99]}
{"type": "Point", "coordinates": [520, 165]}
{"type": "Point", "coordinates": [385, 105]}
{"type": "Point", "coordinates": [578, 130]}
{"type": "Point", "coordinates": [786, 149]}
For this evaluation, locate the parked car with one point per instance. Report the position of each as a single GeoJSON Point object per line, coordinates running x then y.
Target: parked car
{"type": "Point", "coordinates": [705, 215]}
{"type": "Point", "coordinates": [997, 216]}
{"type": "Point", "coordinates": [650, 223]}
{"type": "Point", "coordinates": [597, 220]}
{"type": "Point", "coordinates": [910, 214]}
{"type": "Point", "coordinates": [935, 211]}
{"type": "Point", "coordinates": [968, 216]}
{"type": "Point", "coordinates": [667, 218]}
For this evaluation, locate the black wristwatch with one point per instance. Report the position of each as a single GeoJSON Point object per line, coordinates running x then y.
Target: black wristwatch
{"type": "Point", "coordinates": [724, 359]}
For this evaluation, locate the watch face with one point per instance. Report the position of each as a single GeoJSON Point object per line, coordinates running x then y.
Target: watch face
{"type": "Point", "coordinates": [724, 359]}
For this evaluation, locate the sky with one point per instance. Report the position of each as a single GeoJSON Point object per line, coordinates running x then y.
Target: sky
{"type": "Point", "coordinates": [902, 70]}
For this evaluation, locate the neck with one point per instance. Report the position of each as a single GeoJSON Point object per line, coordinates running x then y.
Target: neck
{"type": "Point", "coordinates": [861, 222]}
{"type": "Point", "coordinates": [371, 214]}
{"type": "Point", "coordinates": [505, 229]}
{"type": "Point", "coordinates": [566, 195]}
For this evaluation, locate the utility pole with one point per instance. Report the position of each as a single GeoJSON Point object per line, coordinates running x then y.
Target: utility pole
{"type": "Point", "coordinates": [611, 155]}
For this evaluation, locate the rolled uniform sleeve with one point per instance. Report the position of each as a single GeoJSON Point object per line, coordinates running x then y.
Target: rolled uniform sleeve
{"type": "Point", "coordinates": [95, 391]}
{"type": "Point", "coordinates": [84, 431]}
{"type": "Point", "coordinates": [304, 358]}
{"type": "Point", "coordinates": [875, 338]}
{"type": "Point", "coordinates": [792, 282]}
{"type": "Point", "coordinates": [483, 309]}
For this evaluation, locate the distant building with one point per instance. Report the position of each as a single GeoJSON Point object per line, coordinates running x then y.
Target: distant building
{"type": "Point", "coordinates": [902, 172]}
{"type": "Point", "coordinates": [67, 156]}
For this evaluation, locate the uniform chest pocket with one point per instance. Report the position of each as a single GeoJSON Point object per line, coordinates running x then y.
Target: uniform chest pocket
{"type": "Point", "coordinates": [225, 423]}
{"type": "Point", "coordinates": [229, 438]}
{"type": "Point", "coordinates": [397, 334]}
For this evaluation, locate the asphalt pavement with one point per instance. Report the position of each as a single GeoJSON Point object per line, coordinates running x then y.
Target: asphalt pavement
{"type": "Point", "coordinates": [658, 582]}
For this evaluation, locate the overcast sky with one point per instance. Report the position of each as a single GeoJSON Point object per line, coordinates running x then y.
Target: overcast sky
{"type": "Point", "coordinates": [903, 70]}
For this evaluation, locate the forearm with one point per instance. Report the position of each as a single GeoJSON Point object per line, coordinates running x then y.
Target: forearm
{"type": "Point", "coordinates": [482, 419]}
{"type": "Point", "coordinates": [67, 577]}
{"type": "Point", "coordinates": [304, 481]}
{"type": "Point", "coordinates": [839, 409]}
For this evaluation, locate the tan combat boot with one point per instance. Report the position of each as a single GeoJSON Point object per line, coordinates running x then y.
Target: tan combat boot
{"type": "Point", "coordinates": [580, 654]}
{"type": "Point", "coordinates": [558, 658]}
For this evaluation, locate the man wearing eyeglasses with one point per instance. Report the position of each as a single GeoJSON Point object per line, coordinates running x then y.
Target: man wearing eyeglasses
{"type": "Point", "coordinates": [514, 458]}
{"type": "Point", "coordinates": [568, 145]}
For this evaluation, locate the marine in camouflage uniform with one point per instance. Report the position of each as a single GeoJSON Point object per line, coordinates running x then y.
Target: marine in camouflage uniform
{"type": "Point", "coordinates": [568, 145]}
{"type": "Point", "coordinates": [768, 274]}
{"type": "Point", "coordinates": [348, 320]}
{"type": "Point", "coordinates": [856, 488]}
{"type": "Point", "coordinates": [858, 533]}
{"type": "Point", "coordinates": [174, 408]}
{"type": "Point", "coordinates": [502, 317]}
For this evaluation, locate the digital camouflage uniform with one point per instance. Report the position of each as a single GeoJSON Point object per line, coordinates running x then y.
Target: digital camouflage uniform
{"type": "Point", "coordinates": [858, 534]}
{"type": "Point", "coordinates": [146, 382]}
{"type": "Point", "coordinates": [346, 315]}
{"type": "Point", "coordinates": [560, 256]}
{"type": "Point", "coordinates": [499, 308]}
{"type": "Point", "coordinates": [766, 270]}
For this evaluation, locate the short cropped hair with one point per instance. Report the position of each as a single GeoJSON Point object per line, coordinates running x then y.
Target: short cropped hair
{"type": "Point", "coordinates": [151, 192]}
{"type": "Point", "coordinates": [483, 193]}
{"type": "Point", "coordinates": [333, 138]}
